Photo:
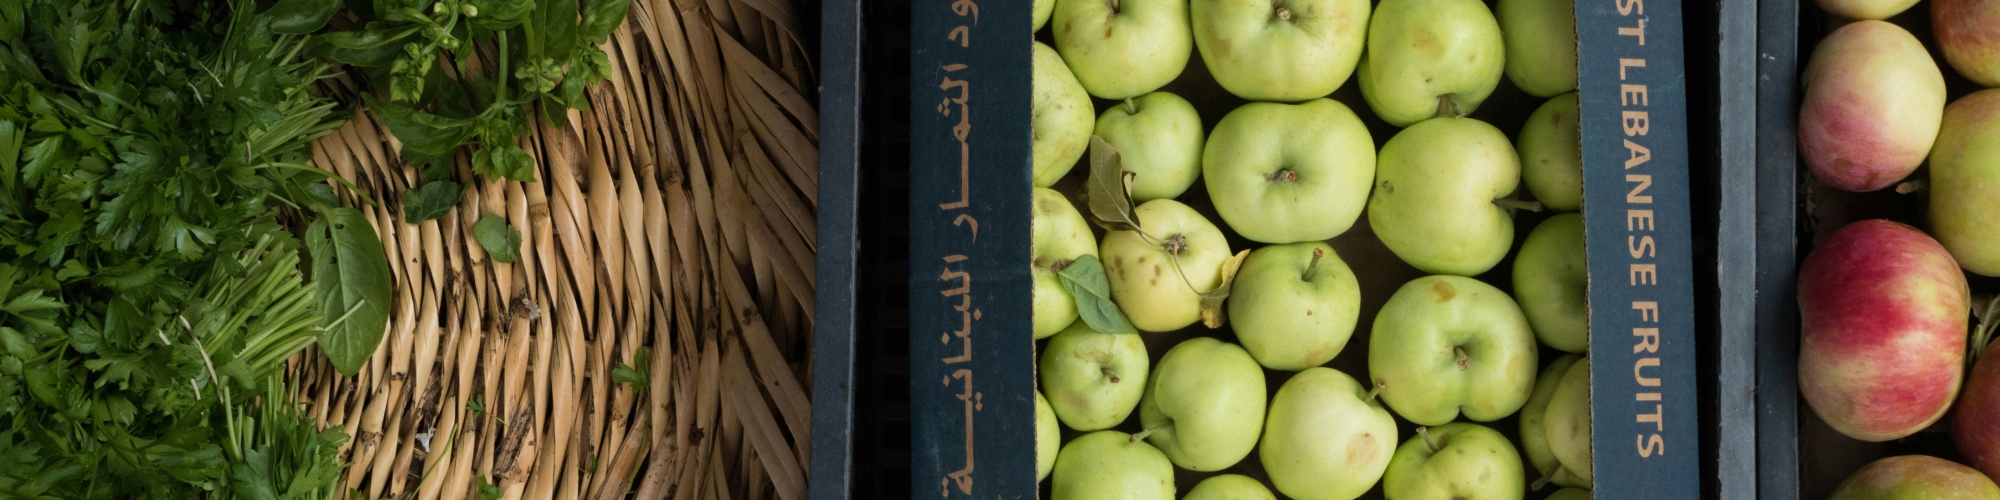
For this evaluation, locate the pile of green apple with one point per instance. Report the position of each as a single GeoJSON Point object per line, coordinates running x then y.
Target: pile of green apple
{"type": "Point", "coordinates": [1189, 316]}
{"type": "Point", "coordinates": [1889, 318]}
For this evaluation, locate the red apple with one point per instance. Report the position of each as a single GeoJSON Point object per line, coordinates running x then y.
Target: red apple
{"type": "Point", "coordinates": [1969, 33]}
{"type": "Point", "coordinates": [1916, 476]}
{"type": "Point", "coordinates": [1883, 311]}
{"type": "Point", "coordinates": [1974, 427]}
{"type": "Point", "coordinates": [1874, 99]}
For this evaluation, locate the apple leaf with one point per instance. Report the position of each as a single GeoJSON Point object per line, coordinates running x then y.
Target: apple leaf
{"type": "Point", "coordinates": [1212, 314]}
{"type": "Point", "coordinates": [1085, 281]}
{"type": "Point", "coordinates": [1110, 188]}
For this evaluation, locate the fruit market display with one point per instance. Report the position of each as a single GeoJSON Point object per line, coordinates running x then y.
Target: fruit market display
{"type": "Point", "coordinates": [1896, 297]}
{"type": "Point", "coordinates": [1283, 250]}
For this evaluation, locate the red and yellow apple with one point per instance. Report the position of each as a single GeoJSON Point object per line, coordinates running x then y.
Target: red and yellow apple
{"type": "Point", "coordinates": [1873, 102]}
{"type": "Point", "coordinates": [1968, 32]}
{"type": "Point", "coordinates": [1973, 428]}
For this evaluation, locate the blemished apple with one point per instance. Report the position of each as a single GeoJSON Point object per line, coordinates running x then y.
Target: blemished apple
{"type": "Point", "coordinates": [1284, 51]}
{"type": "Point", "coordinates": [1540, 37]}
{"type": "Point", "coordinates": [1144, 282]}
{"type": "Point", "coordinates": [1060, 236]}
{"type": "Point", "coordinates": [1430, 58]}
{"type": "Point", "coordinates": [1123, 48]}
{"type": "Point", "coordinates": [1110, 465]}
{"type": "Point", "coordinates": [1968, 32]}
{"type": "Point", "coordinates": [1204, 404]}
{"type": "Point", "coordinates": [1553, 284]}
{"type": "Point", "coordinates": [1284, 173]}
{"type": "Point", "coordinates": [1551, 149]}
{"type": "Point", "coordinates": [1229, 487]}
{"type": "Point", "coordinates": [1062, 117]}
{"type": "Point", "coordinates": [1535, 435]}
{"type": "Point", "coordinates": [1965, 182]}
{"type": "Point", "coordinates": [1973, 427]}
{"type": "Point", "coordinates": [1326, 437]}
{"type": "Point", "coordinates": [1093, 380]}
{"type": "Point", "coordinates": [1916, 476]}
{"type": "Point", "coordinates": [1437, 191]}
{"type": "Point", "coordinates": [1042, 10]}
{"type": "Point", "coordinates": [1873, 102]}
{"type": "Point", "coordinates": [1048, 437]}
{"type": "Point", "coordinates": [1882, 314]}
{"type": "Point", "coordinates": [1294, 306]}
{"type": "Point", "coordinates": [1566, 424]}
{"type": "Point", "coordinates": [1445, 345]}
{"type": "Point", "coordinates": [1159, 138]}
{"type": "Point", "coordinates": [1865, 9]}
{"type": "Point", "coordinates": [1570, 494]}
{"type": "Point", "coordinates": [1460, 461]}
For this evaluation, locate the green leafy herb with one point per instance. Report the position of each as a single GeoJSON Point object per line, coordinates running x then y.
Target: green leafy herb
{"type": "Point", "coordinates": [487, 491]}
{"type": "Point", "coordinates": [431, 200]}
{"type": "Point", "coordinates": [1084, 279]}
{"type": "Point", "coordinates": [501, 241]}
{"type": "Point", "coordinates": [637, 377]}
{"type": "Point", "coordinates": [352, 273]}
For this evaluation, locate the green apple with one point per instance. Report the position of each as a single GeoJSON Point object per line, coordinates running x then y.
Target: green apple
{"type": "Point", "coordinates": [1551, 149]}
{"type": "Point", "coordinates": [1534, 436]}
{"type": "Point", "coordinates": [1061, 117]}
{"type": "Point", "coordinates": [1567, 422]}
{"type": "Point", "coordinates": [1570, 494]}
{"type": "Point", "coordinates": [1553, 284]}
{"type": "Point", "coordinates": [1916, 477]}
{"type": "Point", "coordinates": [1280, 50]}
{"type": "Point", "coordinates": [1093, 380]}
{"type": "Point", "coordinates": [1326, 437]}
{"type": "Point", "coordinates": [1283, 173]}
{"type": "Point", "coordinates": [1159, 138]}
{"type": "Point", "coordinates": [1439, 187]}
{"type": "Point", "coordinates": [1540, 36]}
{"type": "Point", "coordinates": [1048, 437]}
{"type": "Point", "coordinates": [1042, 10]}
{"type": "Point", "coordinates": [1430, 57]}
{"type": "Point", "coordinates": [1110, 465]}
{"type": "Point", "coordinates": [1204, 404]}
{"type": "Point", "coordinates": [1458, 460]}
{"type": "Point", "coordinates": [1294, 306]}
{"type": "Point", "coordinates": [1141, 267]}
{"type": "Point", "coordinates": [1060, 236]}
{"type": "Point", "coordinates": [1965, 181]}
{"type": "Point", "coordinates": [1229, 487]}
{"type": "Point", "coordinates": [1443, 345]}
{"type": "Point", "coordinates": [1123, 48]}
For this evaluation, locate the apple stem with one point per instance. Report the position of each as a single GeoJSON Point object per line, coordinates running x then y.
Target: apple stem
{"type": "Point", "coordinates": [1109, 374]}
{"type": "Point", "coordinates": [1313, 265]}
{"type": "Point", "coordinates": [1141, 436]}
{"type": "Point", "coordinates": [1131, 107]}
{"type": "Point", "coordinates": [1462, 358]}
{"type": "Point", "coordinates": [1512, 204]}
{"type": "Point", "coordinates": [1448, 107]}
{"type": "Point", "coordinates": [1424, 432]}
{"type": "Point", "coordinates": [1377, 391]}
{"type": "Point", "coordinates": [1912, 186]}
{"type": "Point", "coordinates": [1544, 480]}
{"type": "Point", "coordinates": [1284, 13]}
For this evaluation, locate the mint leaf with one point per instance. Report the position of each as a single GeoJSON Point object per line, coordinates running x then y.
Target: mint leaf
{"type": "Point", "coordinates": [431, 200]}
{"type": "Point", "coordinates": [352, 274]}
{"type": "Point", "coordinates": [500, 240]}
{"type": "Point", "coordinates": [1085, 281]}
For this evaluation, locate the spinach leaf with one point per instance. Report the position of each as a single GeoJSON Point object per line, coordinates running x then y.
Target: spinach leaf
{"type": "Point", "coordinates": [297, 17]}
{"type": "Point", "coordinates": [431, 200]}
{"type": "Point", "coordinates": [352, 274]}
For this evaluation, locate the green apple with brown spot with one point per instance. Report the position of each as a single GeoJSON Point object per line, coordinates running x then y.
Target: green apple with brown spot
{"type": "Point", "coordinates": [1326, 437]}
{"type": "Point", "coordinates": [1280, 50]}
{"type": "Point", "coordinates": [1294, 306]}
{"type": "Point", "coordinates": [1429, 58]}
{"type": "Point", "coordinates": [1123, 48]}
{"type": "Point", "coordinates": [1459, 461]}
{"type": "Point", "coordinates": [1093, 380]}
{"type": "Point", "coordinates": [1158, 273]}
{"type": "Point", "coordinates": [1443, 346]}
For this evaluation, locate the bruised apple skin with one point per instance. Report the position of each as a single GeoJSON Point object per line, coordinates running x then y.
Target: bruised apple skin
{"type": "Point", "coordinates": [1974, 427]}
{"type": "Point", "coordinates": [1968, 32]}
{"type": "Point", "coordinates": [1874, 99]}
{"type": "Point", "coordinates": [1883, 311]}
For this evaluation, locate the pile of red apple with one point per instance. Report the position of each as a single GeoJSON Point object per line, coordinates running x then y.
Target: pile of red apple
{"type": "Point", "coordinates": [1889, 323]}
{"type": "Point", "coordinates": [1289, 171]}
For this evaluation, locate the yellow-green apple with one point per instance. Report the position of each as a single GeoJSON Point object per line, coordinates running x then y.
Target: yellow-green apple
{"type": "Point", "coordinates": [1551, 149]}
{"type": "Point", "coordinates": [1540, 36]}
{"type": "Point", "coordinates": [1865, 9]}
{"type": "Point", "coordinates": [1535, 435]}
{"type": "Point", "coordinates": [1123, 48]}
{"type": "Point", "coordinates": [1326, 437]}
{"type": "Point", "coordinates": [1204, 404]}
{"type": "Point", "coordinates": [1043, 8]}
{"type": "Point", "coordinates": [1460, 461]}
{"type": "Point", "coordinates": [1570, 494]}
{"type": "Point", "coordinates": [1430, 57]}
{"type": "Point", "coordinates": [1048, 437]}
{"type": "Point", "coordinates": [1141, 265]}
{"type": "Point", "coordinates": [1968, 32]}
{"type": "Point", "coordinates": [1283, 173]}
{"type": "Point", "coordinates": [1280, 50]}
{"type": "Point", "coordinates": [1110, 465]}
{"type": "Point", "coordinates": [1229, 487]}
{"type": "Point", "coordinates": [1438, 186]}
{"type": "Point", "coordinates": [1294, 306]}
{"type": "Point", "coordinates": [1061, 117]}
{"type": "Point", "coordinates": [1060, 236]}
{"type": "Point", "coordinates": [1553, 285]}
{"type": "Point", "coordinates": [1882, 313]}
{"type": "Point", "coordinates": [1916, 476]}
{"type": "Point", "coordinates": [1443, 345]}
{"type": "Point", "coordinates": [1159, 138]}
{"type": "Point", "coordinates": [1965, 181]}
{"type": "Point", "coordinates": [1566, 424]}
{"type": "Point", "coordinates": [1973, 428]}
{"type": "Point", "coordinates": [1093, 380]}
{"type": "Point", "coordinates": [1873, 101]}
